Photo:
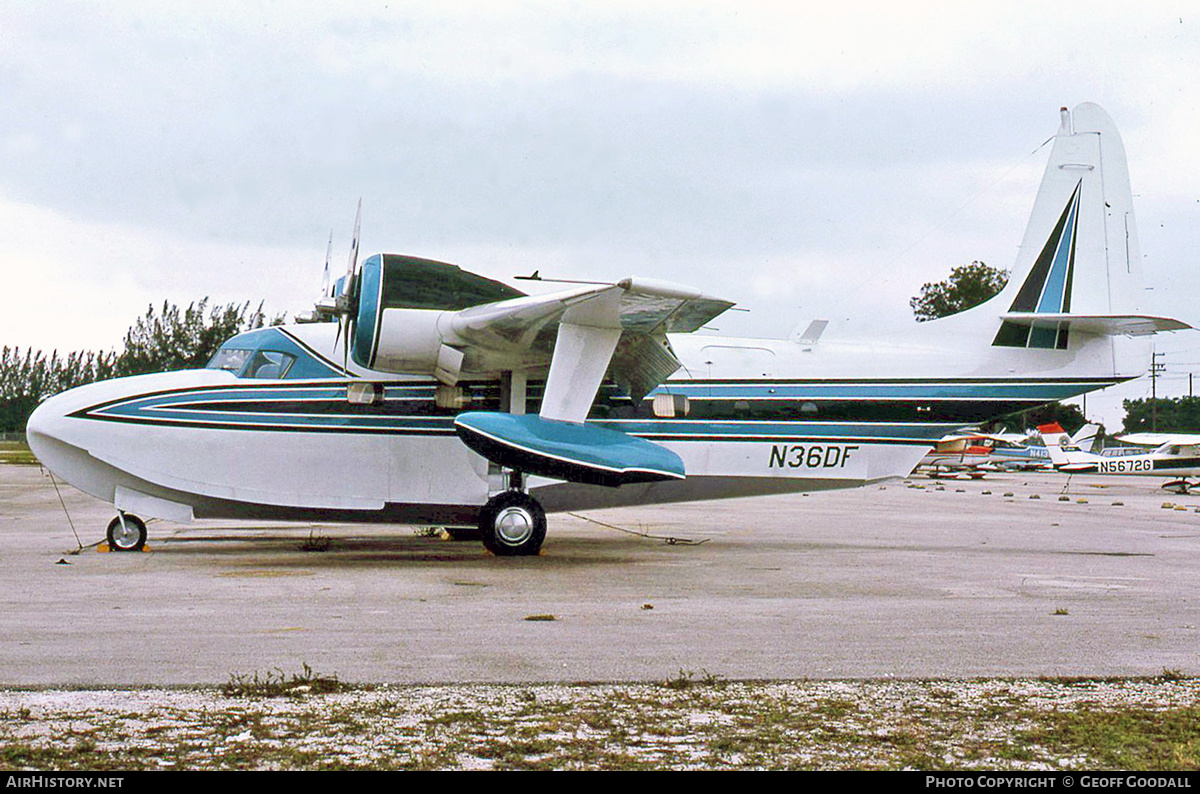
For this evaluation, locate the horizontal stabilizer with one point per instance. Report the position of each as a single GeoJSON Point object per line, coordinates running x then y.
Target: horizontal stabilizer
{"type": "Point", "coordinates": [565, 450]}
{"type": "Point", "coordinates": [1100, 324]}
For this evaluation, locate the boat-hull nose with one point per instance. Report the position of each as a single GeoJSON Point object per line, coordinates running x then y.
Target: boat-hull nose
{"type": "Point", "coordinates": [84, 452]}
{"type": "Point", "coordinates": [59, 448]}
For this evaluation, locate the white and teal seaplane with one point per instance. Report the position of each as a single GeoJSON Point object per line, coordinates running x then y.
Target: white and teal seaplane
{"type": "Point", "coordinates": [431, 395]}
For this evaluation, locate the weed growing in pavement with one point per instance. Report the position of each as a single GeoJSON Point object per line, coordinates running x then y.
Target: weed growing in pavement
{"type": "Point", "coordinates": [276, 684]}
{"type": "Point", "coordinates": [315, 542]}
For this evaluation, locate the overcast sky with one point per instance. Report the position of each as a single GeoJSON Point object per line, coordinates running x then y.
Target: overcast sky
{"type": "Point", "coordinates": [805, 160]}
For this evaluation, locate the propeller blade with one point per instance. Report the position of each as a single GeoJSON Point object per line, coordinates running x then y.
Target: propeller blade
{"type": "Point", "coordinates": [350, 268]}
{"type": "Point", "coordinates": [351, 289]}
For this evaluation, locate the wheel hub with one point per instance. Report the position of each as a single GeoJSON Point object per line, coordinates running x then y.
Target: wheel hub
{"type": "Point", "coordinates": [124, 534]}
{"type": "Point", "coordinates": [514, 525]}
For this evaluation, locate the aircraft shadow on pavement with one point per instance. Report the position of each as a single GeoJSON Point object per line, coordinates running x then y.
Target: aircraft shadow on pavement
{"type": "Point", "coordinates": [388, 548]}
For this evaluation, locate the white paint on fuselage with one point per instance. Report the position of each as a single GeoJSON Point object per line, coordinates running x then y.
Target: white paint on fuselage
{"type": "Point", "coordinates": [959, 346]}
{"type": "Point", "coordinates": [192, 466]}
{"type": "Point", "coordinates": [348, 471]}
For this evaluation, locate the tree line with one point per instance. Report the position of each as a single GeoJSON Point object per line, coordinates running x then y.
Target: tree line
{"type": "Point", "coordinates": [169, 339]}
{"type": "Point", "coordinates": [1162, 415]}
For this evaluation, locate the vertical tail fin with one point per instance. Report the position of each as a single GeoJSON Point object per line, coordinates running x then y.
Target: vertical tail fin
{"type": "Point", "coordinates": [1080, 253]}
{"type": "Point", "coordinates": [1053, 437]}
{"type": "Point", "coordinates": [1085, 438]}
{"type": "Point", "coordinates": [1061, 447]}
{"type": "Point", "coordinates": [1073, 302]}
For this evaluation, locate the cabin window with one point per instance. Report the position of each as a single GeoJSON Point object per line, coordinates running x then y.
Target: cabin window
{"type": "Point", "coordinates": [269, 365]}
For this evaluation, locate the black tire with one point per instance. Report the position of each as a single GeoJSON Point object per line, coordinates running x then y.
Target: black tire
{"type": "Point", "coordinates": [512, 524]}
{"type": "Point", "coordinates": [130, 538]}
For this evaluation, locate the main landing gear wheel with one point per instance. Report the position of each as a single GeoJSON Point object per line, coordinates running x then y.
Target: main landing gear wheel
{"type": "Point", "coordinates": [128, 537]}
{"type": "Point", "coordinates": [512, 524]}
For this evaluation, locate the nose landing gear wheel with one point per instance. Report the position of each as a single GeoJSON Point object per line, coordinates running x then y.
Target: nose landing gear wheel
{"type": "Point", "coordinates": [512, 524]}
{"type": "Point", "coordinates": [128, 537]}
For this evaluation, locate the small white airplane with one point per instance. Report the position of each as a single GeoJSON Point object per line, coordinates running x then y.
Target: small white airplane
{"type": "Point", "coordinates": [1175, 455]}
{"type": "Point", "coordinates": [442, 397]}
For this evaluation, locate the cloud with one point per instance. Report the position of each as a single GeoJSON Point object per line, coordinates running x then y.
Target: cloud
{"type": "Point", "coordinates": [781, 154]}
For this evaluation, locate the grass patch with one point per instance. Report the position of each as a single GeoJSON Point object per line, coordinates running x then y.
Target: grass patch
{"type": "Point", "coordinates": [688, 679]}
{"type": "Point", "coordinates": [273, 684]}
{"type": "Point", "coordinates": [17, 453]}
{"type": "Point", "coordinates": [691, 722]}
{"type": "Point", "coordinates": [1134, 739]}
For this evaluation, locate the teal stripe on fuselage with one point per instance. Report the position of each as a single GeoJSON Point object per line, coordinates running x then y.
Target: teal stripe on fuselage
{"type": "Point", "coordinates": [882, 391]}
{"type": "Point", "coordinates": [322, 407]}
{"type": "Point", "coordinates": [210, 408]}
{"type": "Point", "coordinates": [684, 429]}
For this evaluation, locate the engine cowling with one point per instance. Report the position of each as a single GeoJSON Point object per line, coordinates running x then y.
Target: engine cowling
{"type": "Point", "coordinates": [409, 341]}
{"type": "Point", "coordinates": [403, 303]}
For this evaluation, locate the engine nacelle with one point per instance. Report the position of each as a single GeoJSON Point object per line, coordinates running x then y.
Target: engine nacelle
{"type": "Point", "coordinates": [408, 341]}
{"type": "Point", "coordinates": [401, 322]}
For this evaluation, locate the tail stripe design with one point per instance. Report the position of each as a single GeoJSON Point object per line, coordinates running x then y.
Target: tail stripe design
{"type": "Point", "coordinates": [1047, 288]}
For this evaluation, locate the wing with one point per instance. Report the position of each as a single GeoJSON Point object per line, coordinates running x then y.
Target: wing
{"type": "Point", "coordinates": [618, 327]}
{"type": "Point", "coordinates": [583, 333]}
{"type": "Point", "coordinates": [576, 336]}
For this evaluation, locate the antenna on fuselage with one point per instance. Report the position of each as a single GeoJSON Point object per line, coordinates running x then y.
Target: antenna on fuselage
{"type": "Point", "coordinates": [325, 285]}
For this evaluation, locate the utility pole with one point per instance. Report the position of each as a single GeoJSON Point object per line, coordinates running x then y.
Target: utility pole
{"type": "Point", "coordinates": [1155, 369]}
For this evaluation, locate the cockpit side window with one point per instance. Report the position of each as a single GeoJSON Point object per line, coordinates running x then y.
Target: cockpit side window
{"type": "Point", "coordinates": [260, 364]}
{"type": "Point", "coordinates": [269, 365]}
{"type": "Point", "coordinates": [231, 359]}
